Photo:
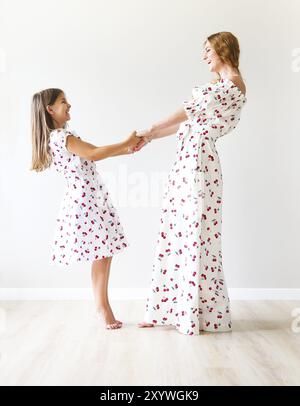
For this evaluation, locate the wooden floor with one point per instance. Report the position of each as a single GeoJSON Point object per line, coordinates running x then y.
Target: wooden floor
{"type": "Point", "coordinates": [60, 343]}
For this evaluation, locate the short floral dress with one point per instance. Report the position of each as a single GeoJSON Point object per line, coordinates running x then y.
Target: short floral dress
{"type": "Point", "coordinates": [88, 227]}
{"type": "Point", "coordinates": [188, 288]}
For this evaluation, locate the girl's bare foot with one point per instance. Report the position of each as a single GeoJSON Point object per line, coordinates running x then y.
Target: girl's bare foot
{"type": "Point", "coordinates": [118, 321]}
{"type": "Point", "coordinates": [144, 325]}
{"type": "Point", "coordinates": [106, 316]}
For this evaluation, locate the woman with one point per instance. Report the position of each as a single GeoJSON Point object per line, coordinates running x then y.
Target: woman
{"type": "Point", "coordinates": [188, 288]}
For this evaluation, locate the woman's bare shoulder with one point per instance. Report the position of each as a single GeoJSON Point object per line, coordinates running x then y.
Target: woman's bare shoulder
{"type": "Point", "coordinates": [238, 82]}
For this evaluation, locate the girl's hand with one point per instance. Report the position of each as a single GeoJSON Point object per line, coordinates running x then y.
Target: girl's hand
{"type": "Point", "coordinates": [146, 137]}
{"type": "Point", "coordinates": [132, 141]}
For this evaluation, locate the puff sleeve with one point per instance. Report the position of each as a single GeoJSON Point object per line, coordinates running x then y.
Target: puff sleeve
{"type": "Point", "coordinates": [224, 108]}
{"type": "Point", "coordinates": [62, 135]}
{"type": "Point", "coordinates": [193, 107]}
{"type": "Point", "coordinates": [58, 140]}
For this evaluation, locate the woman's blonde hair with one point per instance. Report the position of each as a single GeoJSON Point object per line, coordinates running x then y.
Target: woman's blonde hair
{"type": "Point", "coordinates": [227, 47]}
{"type": "Point", "coordinates": [41, 126]}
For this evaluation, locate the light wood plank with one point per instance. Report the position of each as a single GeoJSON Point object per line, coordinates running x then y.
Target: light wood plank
{"type": "Point", "coordinates": [60, 343]}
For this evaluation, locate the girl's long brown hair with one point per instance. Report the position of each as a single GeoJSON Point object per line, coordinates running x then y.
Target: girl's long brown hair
{"type": "Point", "coordinates": [41, 126]}
{"type": "Point", "coordinates": [227, 47]}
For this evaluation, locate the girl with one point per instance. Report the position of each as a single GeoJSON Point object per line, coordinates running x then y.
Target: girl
{"type": "Point", "coordinates": [88, 227]}
{"type": "Point", "coordinates": [188, 287]}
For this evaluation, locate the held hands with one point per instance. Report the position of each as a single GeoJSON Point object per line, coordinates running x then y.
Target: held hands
{"type": "Point", "coordinates": [132, 141]}
{"type": "Point", "coordinates": [145, 138]}
{"type": "Point", "coordinates": [136, 142]}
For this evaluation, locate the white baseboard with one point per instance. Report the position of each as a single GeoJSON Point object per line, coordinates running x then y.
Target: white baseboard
{"type": "Point", "coordinates": [136, 294]}
{"type": "Point", "coordinates": [68, 294]}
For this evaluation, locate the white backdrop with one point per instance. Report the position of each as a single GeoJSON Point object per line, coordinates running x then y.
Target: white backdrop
{"type": "Point", "coordinates": [125, 64]}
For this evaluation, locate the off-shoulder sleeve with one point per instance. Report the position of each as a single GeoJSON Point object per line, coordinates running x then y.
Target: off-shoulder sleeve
{"type": "Point", "coordinates": [192, 107]}
{"type": "Point", "coordinates": [195, 106]}
{"type": "Point", "coordinates": [221, 105]}
{"type": "Point", "coordinates": [225, 107]}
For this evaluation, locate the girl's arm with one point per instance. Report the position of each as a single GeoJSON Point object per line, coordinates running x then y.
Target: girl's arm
{"type": "Point", "coordinates": [93, 153]}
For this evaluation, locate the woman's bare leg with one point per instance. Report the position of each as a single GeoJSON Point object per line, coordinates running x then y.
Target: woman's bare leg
{"type": "Point", "coordinates": [100, 278]}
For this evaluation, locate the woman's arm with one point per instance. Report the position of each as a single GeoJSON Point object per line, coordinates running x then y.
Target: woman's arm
{"type": "Point", "coordinates": [164, 132]}
{"type": "Point", "coordinates": [162, 129]}
{"type": "Point", "coordinates": [168, 126]}
{"type": "Point", "coordinates": [93, 153]}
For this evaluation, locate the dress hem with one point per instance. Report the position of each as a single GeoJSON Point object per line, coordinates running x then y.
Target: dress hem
{"type": "Point", "coordinates": [82, 260]}
{"type": "Point", "coordinates": [204, 330]}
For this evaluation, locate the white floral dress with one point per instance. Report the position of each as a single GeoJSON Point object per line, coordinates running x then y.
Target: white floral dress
{"type": "Point", "coordinates": [188, 288]}
{"type": "Point", "coordinates": [87, 227]}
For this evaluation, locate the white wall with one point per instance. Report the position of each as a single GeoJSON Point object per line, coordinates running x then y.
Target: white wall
{"type": "Point", "coordinates": [125, 64]}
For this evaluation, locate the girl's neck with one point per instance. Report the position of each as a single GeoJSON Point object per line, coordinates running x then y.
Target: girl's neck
{"type": "Point", "coordinates": [58, 125]}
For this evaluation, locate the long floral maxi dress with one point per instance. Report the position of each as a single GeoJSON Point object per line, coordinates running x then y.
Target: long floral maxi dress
{"type": "Point", "coordinates": [188, 288]}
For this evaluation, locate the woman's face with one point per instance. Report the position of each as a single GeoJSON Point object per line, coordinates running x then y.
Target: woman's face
{"type": "Point", "coordinates": [211, 58]}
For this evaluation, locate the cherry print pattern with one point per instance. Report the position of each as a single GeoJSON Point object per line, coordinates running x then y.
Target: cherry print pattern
{"type": "Point", "coordinates": [188, 288]}
{"type": "Point", "coordinates": [88, 226]}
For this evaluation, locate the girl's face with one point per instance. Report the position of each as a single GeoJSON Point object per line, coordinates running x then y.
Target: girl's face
{"type": "Point", "coordinates": [211, 58]}
{"type": "Point", "coordinates": [59, 111]}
